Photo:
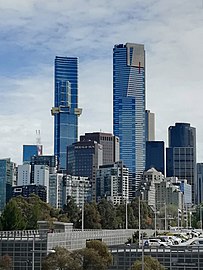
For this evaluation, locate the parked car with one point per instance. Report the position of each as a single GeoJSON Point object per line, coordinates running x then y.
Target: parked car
{"type": "Point", "coordinates": [155, 242]}
{"type": "Point", "coordinates": [166, 239]}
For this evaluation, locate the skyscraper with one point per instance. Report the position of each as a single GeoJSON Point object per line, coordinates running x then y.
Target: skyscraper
{"type": "Point", "coordinates": [181, 154]}
{"type": "Point", "coordinates": [109, 142]}
{"type": "Point", "coordinates": [129, 108]}
{"type": "Point", "coordinates": [65, 108]}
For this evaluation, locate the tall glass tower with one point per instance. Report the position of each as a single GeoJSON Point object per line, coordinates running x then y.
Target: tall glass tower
{"type": "Point", "coordinates": [129, 108]}
{"type": "Point", "coordinates": [65, 110]}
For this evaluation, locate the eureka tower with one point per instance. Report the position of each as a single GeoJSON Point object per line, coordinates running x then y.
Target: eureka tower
{"type": "Point", "coordinates": [129, 108]}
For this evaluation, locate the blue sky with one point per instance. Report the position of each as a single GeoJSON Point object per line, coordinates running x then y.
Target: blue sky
{"type": "Point", "coordinates": [33, 32]}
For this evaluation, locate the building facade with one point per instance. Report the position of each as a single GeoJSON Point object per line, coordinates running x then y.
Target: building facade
{"type": "Point", "coordinates": [110, 145]}
{"type": "Point", "coordinates": [150, 125]}
{"type": "Point", "coordinates": [113, 183]}
{"type": "Point", "coordinates": [83, 159]}
{"type": "Point", "coordinates": [7, 180]}
{"type": "Point", "coordinates": [129, 108]}
{"type": "Point", "coordinates": [155, 156]}
{"type": "Point", "coordinates": [181, 155]}
{"type": "Point", "coordinates": [78, 188]}
{"type": "Point", "coordinates": [199, 183]}
{"type": "Point", "coordinates": [31, 150]}
{"type": "Point", "coordinates": [27, 190]}
{"type": "Point", "coordinates": [56, 190]}
{"type": "Point", "coordinates": [65, 110]}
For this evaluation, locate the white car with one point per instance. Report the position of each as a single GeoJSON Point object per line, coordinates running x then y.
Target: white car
{"type": "Point", "coordinates": [166, 239]}
{"type": "Point", "coordinates": [155, 243]}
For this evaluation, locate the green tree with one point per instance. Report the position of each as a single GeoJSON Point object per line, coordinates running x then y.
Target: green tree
{"type": "Point", "coordinates": [62, 259]}
{"type": "Point", "coordinates": [107, 213]}
{"type": "Point", "coordinates": [150, 263]}
{"type": "Point", "coordinates": [95, 255]}
{"type": "Point", "coordinates": [12, 218]}
{"type": "Point", "coordinates": [72, 211]}
{"type": "Point", "coordinates": [92, 217]}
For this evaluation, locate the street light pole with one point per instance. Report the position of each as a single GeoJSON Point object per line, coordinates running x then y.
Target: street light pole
{"type": "Point", "coordinates": [139, 218]}
{"type": "Point", "coordinates": [126, 214]}
{"type": "Point", "coordinates": [155, 221]}
{"type": "Point", "coordinates": [33, 253]}
{"type": "Point", "coordinates": [165, 217]}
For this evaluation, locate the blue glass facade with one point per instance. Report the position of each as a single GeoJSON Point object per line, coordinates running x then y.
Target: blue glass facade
{"type": "Point", "coordinates": [181, 155]}
{"type": "Point", "coordinates": [7, 172]}
{"type": "Point", "coordinates": [30, 151]}
{"type": "Point", "coordinates": [129, 108]}
{"type": "Point", "coordinates": [155, 156]}
{"type": "Point", "coordinates": [65, 108]}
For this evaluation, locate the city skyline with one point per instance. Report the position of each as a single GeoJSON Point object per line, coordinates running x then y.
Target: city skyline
{"type": "Point", "coordinates": [32, 34]}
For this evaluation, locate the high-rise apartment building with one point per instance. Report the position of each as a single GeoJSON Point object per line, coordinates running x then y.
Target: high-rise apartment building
{"type": "Point", "coordinates": [65, 110]}
{"type": "Point", "coordinates": [109, 142]}
{"type": "Point", "coordinates": [112, 183]}
{"type": "Point", "coordinates": [181, 154]}
{"type": "Point", "coordinates": [129, 108]}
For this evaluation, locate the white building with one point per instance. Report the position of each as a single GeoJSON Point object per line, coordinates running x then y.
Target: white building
{"type": "Point", "coordinates": [41, 176]}
{"type": "Point", "coordinates": [158, 190]}
{"type": "Point", "coordinates": [56, 190]}
{"type": "Point", "coordinates": [113, 182]}
{"type": "Point", "coordinates": [78, 188]}
{"type": "Point", "coordinates": [24, 172]}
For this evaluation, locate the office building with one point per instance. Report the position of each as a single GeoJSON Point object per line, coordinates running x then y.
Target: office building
{"type": "Point", "coordinates": [27, 190]}
{"type": "Point", "coordinates": [155, 156]}
{"type": "Point", "coordinates": [7, 180]}
{"type": "Point", "coordinates": [65, 110]}
{"type": "Point", "coordinates": [181, 155]}
{"type": "Point", "coordinates": [24, 175]}
{"type": "Point", "coordinates": [109, 142]}
{"type": "Point", "coordinates": [83, 159]}
{"type": "Point", "coordinates": [150, 125]}
{"type": "Point", "coordinates": [31, 150]}
{"type": "Point", "coordinates": [50, 161]}
{"type": "Point", "coordinates": [113, 183]}
{"type": "Point", "coordinates": [199, 183]}
{"type": "Point", "coordinates": [129, 108]}
{"type": "Point", "coordinates": [40, 176]}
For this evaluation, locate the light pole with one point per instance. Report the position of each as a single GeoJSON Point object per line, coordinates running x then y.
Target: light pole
{"type": "Point", "coordinates": [200, 209]}
{"type": "Point", "coordinates": [139, 214]}
{"type": "Point", "coordinates": [126, 214]}
{"type": "Point", "coordinates": [179, 211]}
{"type": "Point", "coordinates": [165, 223]}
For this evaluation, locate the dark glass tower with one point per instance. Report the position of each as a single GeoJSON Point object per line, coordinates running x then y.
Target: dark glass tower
{"type": "Point", "coordinates": [155, 156]}
{"type": "Point", "coordinates": [65, 108]}
{"type": "Point", "coordinates": [181, 154]}
{"type": "Point", "coordinates": [129, 108]}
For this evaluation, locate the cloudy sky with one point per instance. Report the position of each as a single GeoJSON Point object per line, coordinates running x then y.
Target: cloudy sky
{"type": "Point", "coordinates": [33, 32]}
